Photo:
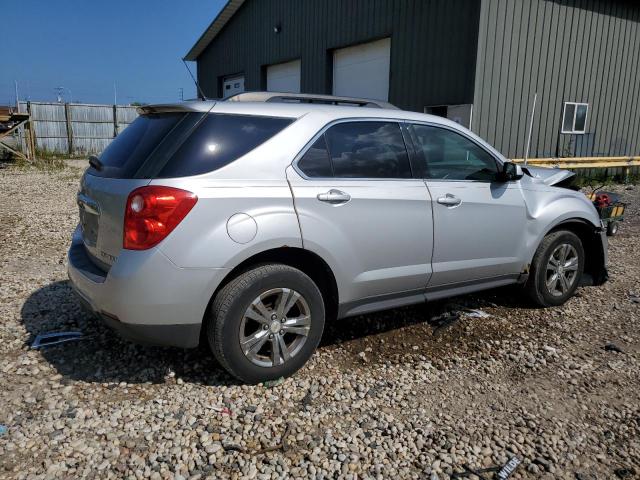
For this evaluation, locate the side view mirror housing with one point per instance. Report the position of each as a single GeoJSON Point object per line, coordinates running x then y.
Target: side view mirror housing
{"type": "Point", "coordinates": [510, 171]}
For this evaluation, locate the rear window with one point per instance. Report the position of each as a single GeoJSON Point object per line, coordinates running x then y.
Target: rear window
{"type": "Point", "coordinates": [124, 156]}
{"type": "Point", "coordinates": [185, 144]}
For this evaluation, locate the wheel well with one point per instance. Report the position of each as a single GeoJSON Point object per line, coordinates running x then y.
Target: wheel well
{"type": "Point", "coordinates": [593, 254]}
{"type": "Point", "coordinates": [304, 260]}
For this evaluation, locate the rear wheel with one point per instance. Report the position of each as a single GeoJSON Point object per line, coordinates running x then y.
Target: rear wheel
{"type": "Point", "coordinates": [266, 323]}
{"type": "Point", "coordinates": [556, 269]}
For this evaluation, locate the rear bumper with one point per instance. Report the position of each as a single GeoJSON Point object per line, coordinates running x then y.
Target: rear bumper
{"type": "Point", "coordinates": [144, 296]}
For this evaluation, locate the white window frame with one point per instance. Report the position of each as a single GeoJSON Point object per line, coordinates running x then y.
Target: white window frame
{"type": "Point", "coordinates": [573, 130]}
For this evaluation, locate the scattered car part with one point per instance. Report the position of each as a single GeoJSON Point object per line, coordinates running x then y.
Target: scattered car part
{"type": "Point", "coordinates": [49, 339]}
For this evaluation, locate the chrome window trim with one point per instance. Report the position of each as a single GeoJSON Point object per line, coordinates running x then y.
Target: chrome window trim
{"type": "Point", "coordinates": [323, 130]}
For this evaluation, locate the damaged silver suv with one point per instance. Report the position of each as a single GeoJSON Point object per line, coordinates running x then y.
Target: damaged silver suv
{"type": "Point", "coordinates": [249, 224]}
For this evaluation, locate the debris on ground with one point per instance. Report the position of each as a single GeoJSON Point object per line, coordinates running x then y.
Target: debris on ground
{"type": "Point", "coordinates": [50, 339]}
{"type": "Point", "coordinates": [499, 473]}
{"type": "Point", "coordinates": [274, 383]}
{"type": "Point", "coordinates": [474, 313]}
{"type": "Point", "coordinates": [625, 472]}
{"type": "Point", "coordinates": [3, 430]}
{"type": "Point", "coordinates": [222, 410]}
{"type": "Point", "coordinates": [612, 347]}
{"type": "Point", "coordinates": [444, 320]}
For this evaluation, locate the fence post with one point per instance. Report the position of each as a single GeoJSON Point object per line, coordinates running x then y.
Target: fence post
{"type": "Point", "coordinates": [67, 117]}
{"type": "Point", "coordinates": [30, 133]}
{"type": "Point", "coordinates": [115, 120]}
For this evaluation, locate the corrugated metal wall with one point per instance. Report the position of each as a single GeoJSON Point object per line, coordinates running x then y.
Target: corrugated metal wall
{"type": "Point", "coordinates": [565, 50]}
{"type": "Point", "coordinates": [433, 45]}
{"type": "Point", "coordinates": [92, 127]}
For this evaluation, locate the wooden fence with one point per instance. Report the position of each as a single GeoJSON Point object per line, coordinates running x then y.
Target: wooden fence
{"type": "Point", "coordinates": [73, 128]}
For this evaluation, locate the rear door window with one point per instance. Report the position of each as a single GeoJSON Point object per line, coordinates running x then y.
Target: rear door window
{"type": "Point", "coordinates": [315, 162]}
{"type": "Point", "coordinates": [368, 150]}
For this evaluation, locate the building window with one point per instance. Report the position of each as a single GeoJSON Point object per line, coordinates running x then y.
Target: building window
{"type": "Point", "coordinates": [574, 118]}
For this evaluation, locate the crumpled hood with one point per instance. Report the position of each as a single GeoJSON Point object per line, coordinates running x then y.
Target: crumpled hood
{"type": "Point", "coordinates": [548, 176]}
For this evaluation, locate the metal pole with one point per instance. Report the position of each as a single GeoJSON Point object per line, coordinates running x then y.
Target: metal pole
{"type": "Point", "coordinates": [17, 98]}
{"type": "Point", "coordinates": [115, 94]}
{"type": "Point", "coordinates": [533, 111]}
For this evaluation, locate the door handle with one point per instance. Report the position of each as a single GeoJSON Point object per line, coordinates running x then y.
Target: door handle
{"type": "Point", "coordinates": [449, 200]}
{"type": "Point", "coordinates": [334, 197]}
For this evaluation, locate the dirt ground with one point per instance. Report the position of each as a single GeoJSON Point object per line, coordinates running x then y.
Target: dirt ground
{"type": "Point", "coordinates": [407, 393]}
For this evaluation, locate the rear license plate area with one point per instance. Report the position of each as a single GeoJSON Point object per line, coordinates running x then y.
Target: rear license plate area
{"type": "Point", "coordinates": [89, 225]}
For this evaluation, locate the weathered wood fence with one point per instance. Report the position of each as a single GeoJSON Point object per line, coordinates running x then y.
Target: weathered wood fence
{"type": "Point", "coordinates": [75, 128]}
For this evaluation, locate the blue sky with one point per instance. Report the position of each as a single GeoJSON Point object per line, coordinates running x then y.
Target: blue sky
{"type": "Point", "coordinates": [86, 46]}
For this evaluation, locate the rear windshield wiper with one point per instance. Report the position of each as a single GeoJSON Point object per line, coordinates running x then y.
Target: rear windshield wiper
{"type": "Point", "coordinates": [95, 162]}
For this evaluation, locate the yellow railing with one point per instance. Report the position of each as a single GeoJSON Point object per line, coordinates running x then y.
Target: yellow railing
{"type": "Point", "coordinates": [584, 162]}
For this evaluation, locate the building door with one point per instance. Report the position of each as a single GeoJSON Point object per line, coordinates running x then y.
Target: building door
{"type": "Point", "coordinates": [461, 114]}
{"type": "Point", "coordinates": [363, 70]}
{"type": "Point", "coordinates": [284, 77]}
{"type": "Point", "coordinates": [232, 86]}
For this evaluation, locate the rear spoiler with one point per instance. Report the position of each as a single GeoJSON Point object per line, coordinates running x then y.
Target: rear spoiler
{"type": "Point", "coordinates": [191, 106]}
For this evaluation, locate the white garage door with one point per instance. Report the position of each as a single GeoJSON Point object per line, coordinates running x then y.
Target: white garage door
{"type": "Point", "coordinates": [363, 70]}
{"type": "Point", "coordinates": [284, 77]}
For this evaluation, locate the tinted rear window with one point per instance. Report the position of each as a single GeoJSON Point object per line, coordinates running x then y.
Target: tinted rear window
{"type": "Point", "coordinates": [315, 162]}
{"type": "Point", "coordinates": [184, 144]}
{"type": "Point", "coordinates": [124, 156]}
{"type": "Point", "coordinates": [218, 141]}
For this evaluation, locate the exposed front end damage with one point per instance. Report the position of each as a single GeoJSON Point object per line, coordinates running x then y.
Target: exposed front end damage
{"type": "Point", "coordinates": [564, 207]}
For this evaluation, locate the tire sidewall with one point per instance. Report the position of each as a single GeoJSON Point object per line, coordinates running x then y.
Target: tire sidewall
{"type": "Point", "coordinates": [541, 270]}
{"type": "Point", "coordinates": [242, 367]}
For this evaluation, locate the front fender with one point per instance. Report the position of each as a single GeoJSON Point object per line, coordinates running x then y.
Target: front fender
{"type": "Point", "coordinates": [550, 207]}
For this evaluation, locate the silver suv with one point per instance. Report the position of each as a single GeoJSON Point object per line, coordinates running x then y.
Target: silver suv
{"type": "Point", "coordinates": [248, 225]}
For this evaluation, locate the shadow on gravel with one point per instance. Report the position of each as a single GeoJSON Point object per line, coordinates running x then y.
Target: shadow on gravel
{"type": "Point", "coordinates": [103, 357]}
{"type": "Point", "coordinates": [429, 315]}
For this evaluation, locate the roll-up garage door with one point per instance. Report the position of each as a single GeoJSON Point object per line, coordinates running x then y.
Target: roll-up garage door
{"type": "Point", "coordinates": [284, 77]}
{"type": "Point", "coordinates": [363, 70]}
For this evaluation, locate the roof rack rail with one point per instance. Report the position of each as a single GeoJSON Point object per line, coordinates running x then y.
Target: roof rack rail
{"type": "Point", "coordinates": [308, 98]}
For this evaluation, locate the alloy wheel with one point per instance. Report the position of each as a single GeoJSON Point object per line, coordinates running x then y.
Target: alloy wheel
{"type": "Point", "coordinates": [275, 327]}
{"type": "Point", "coordinates": [562, 269]}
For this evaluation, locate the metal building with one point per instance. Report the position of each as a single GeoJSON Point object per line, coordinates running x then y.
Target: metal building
{"type": "Point", "coordinates": [479, 62]}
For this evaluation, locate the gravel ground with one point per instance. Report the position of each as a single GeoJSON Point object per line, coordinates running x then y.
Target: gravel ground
{"type": "Point", "coordinates": [399, 394]}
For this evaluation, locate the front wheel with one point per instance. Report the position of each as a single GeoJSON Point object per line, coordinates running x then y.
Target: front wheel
{"type": "Point", "coordinates": [556, 269]}
{"type": "Point", "coordinates": [266, 323]}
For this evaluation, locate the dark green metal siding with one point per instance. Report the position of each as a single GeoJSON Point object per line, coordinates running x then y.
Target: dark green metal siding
{"type": "Point", "coordinates": [565, 50]}
{"type": "Point", "coordinates": [433, 45]}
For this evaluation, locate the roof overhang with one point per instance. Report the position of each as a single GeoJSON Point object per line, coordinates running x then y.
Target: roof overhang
{"type": "Point", "coordinates": [213, 29]}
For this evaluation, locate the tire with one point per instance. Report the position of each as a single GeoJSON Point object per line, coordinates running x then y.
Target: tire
{"type": "Point", "coordinates": [612, 229]}
{"type": "Point", "coordinates": [235, 317]}
{"type": "Point", "coordinates": [542, 269]}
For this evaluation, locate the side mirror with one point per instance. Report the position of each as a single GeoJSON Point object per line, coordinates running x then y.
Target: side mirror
{"type": "Point", "coordinates": [510, 171]}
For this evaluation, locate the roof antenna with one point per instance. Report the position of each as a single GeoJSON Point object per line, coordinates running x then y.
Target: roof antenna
{"type": "Point", "coordinates": [194, 80]}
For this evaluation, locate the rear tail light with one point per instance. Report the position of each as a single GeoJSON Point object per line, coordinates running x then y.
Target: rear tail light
{"type": "Point", "coordinates": [152, 213]}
